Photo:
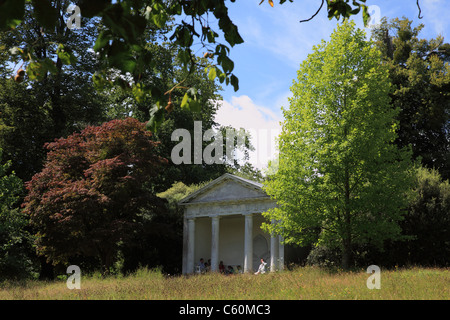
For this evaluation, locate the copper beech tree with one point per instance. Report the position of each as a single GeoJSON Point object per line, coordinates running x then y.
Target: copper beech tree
{"type": "Point", "coordinates": [91, 190]}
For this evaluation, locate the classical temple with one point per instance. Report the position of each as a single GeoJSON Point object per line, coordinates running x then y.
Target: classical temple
{"type": "Point", "coordinates": [222, 222]}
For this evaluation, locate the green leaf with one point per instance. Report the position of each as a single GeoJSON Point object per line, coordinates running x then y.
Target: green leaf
{"type": "Point", "coordinates": [212, 74]}
{"type": "Point", "coordinates": [102, 40]}
{"type": "Point", "coordinates": [99, 81]}
{"type": "Point", "coordinates": [120, 56]}
{"type": "Point", "coordinates": [190, 101]}
{"type": "Point", "coordinates": [222, 77]}
{"type": "Point", "coordinates": [234, 82]}
{"type": "Point", "coordinates": [211, 36]}
{"type": "Point", "coordinates": [226, 63]}
{"type": "Point", "coordinates": [139, 92]}
{"type": "Point", "coordinates": [158, 15]}
{"type": "Point", "coordinates": [36, 71]}
{"type": "Point", "coordinates": [156, 118]}
{"type": "Point", "coordinates": [183, 36]}
{"type": "Point", "coordinates": [185, 101]}
{"type": "Point", "coordinates": [184, 56]}
{"type": "Point", "coordinates": [65, 55]}
{"type": "Point", "coordinates": [366, 15]}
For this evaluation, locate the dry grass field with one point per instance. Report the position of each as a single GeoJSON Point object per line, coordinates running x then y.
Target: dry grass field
{"type": "Point", "coordinates": [300, 284]}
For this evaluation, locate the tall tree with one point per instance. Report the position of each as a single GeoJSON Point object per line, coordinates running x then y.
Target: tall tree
{"type": "Point", "coordinates": [420, 73]}
{"type": "Point", "coordinates": [340, 181]}
{"type": "Point", "coordinates": [15, 241]}
{"type": "Point", "coordinates": [427, 221]}
{"type": "Point", "coordinates": [426, 224]}
{"type": "Point", "coordinates": [167, 70]}
{"type": "Point", "coordinates": [46, 103]}
{"type": "Point", "coordinates": [25, 126]}
{"type": "Point", "coordinates": [90, 194]}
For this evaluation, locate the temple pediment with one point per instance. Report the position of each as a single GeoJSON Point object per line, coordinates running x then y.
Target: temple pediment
{"type": "Point", "coordinates": [226, 188]}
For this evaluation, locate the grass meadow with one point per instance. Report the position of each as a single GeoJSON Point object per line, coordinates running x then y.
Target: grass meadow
{"type": "Point", "coordinates": [305, 283]}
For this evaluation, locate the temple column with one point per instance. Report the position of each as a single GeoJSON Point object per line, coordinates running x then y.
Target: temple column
{"type": "Point", "coordinates": [215, 225]}
{"type": "Point", "coordinates": [273, 251]}
{"type": "Point", "coordinates": [280, 253]}
{"type": "Point", "coordinates": [191, 245]}
{"type": "Point", "coordinates": [248, 243]}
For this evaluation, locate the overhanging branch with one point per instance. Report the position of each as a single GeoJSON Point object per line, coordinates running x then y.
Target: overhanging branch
{"type": "Point", "coordinates": [315, 14]}
{"type": "Point", "coordinates": [420, 10]}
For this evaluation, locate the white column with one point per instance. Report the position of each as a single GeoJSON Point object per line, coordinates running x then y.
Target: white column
{"type": "Point", "coordinates": [280, 253]}
{"type": "Point", "coordinates": [185, 246]}
{"type": "Point", "coordinates": [191, 245]}
{"type": "Point", "coordinates": [215, 243]}
{"type": "Point", "coordinates": [273, 253]}
{"type": "Point", "coordinates": [248, 243]}
{"type": "Point", "coordinates": [273, 250]}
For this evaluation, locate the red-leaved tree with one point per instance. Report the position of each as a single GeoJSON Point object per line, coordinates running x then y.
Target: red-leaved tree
{"type": "Point", "coordinates": [92, 187]}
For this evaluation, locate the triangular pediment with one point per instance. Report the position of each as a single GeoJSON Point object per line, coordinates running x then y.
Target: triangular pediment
{"type": "Point", "coordinates": [226, 188]}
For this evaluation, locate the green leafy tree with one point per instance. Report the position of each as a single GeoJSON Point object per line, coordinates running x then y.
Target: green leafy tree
{"type": "Point", "coordinates": [178, 191]}
{"type": "Point", "coordinates": [57, 62]}
{"type": "Point", "coordinates": [15, 241]}
{"type": "Point", "coordinates": [340, 181]}
{"type": "Point", "coordinates": [426, 224]}
{"type": "Point", "coordinates": [248, 171]}
{"type": "Point", "coordinates": [160, 240]}
{"type": "Point", "coordinates": [124, 22]}
{"type": "Point", "coordinates": [168, 72]}
{"type": "Point", "coordinates": [427, 221]}
{"type": "Point", "coordinates": [420, 73]}
{"type": "Point", "coordinates": [25, 126]}
{"type": "Point", "coordinates": [37, 108]}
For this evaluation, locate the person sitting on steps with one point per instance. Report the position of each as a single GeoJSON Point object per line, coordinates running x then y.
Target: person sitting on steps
{"type": "Point", "coordinates": [262, 267]}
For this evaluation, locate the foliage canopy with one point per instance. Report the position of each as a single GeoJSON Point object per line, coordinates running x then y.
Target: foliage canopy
{"type": "Point", "coordinates": [341, 181]}
{"type": "Point", "coordinates": [420, 73]}
{"type": "Point", "coordinates": [120, 44]}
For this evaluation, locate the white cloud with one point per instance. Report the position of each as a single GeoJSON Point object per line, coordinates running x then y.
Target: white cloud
{"type": "Point", "coordinates": [278, 30]}
{"type": "Point", "coordinates": [262, 123]}
{"type": "Point", "coordinates": [435, 14]}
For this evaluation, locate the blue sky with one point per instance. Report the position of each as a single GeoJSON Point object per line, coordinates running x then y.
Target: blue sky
{"type": "Point", "coordinates": [275, 45]}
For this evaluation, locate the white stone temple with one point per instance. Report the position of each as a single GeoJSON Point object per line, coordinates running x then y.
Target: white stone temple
{"type": "Point", "coordinates": [222, 222]}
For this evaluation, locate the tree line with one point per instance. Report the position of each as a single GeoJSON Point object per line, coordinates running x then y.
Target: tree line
{"type": "Point", "coordinates": [48, 130]}
{"type": "Point", "coordinates": [364, 150]}
{"type": "Point", "coordinates": [75, 140]}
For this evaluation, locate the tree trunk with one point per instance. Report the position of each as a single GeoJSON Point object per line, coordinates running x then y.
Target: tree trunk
{"type": "Point", "coordinates": [347, 238]}
{"type": "Point", "coordinates": [47, 269]}
{"type": "Point", "coordinates": [107, 259]}
{"type": "Point", "coordinates": [347, 255]}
